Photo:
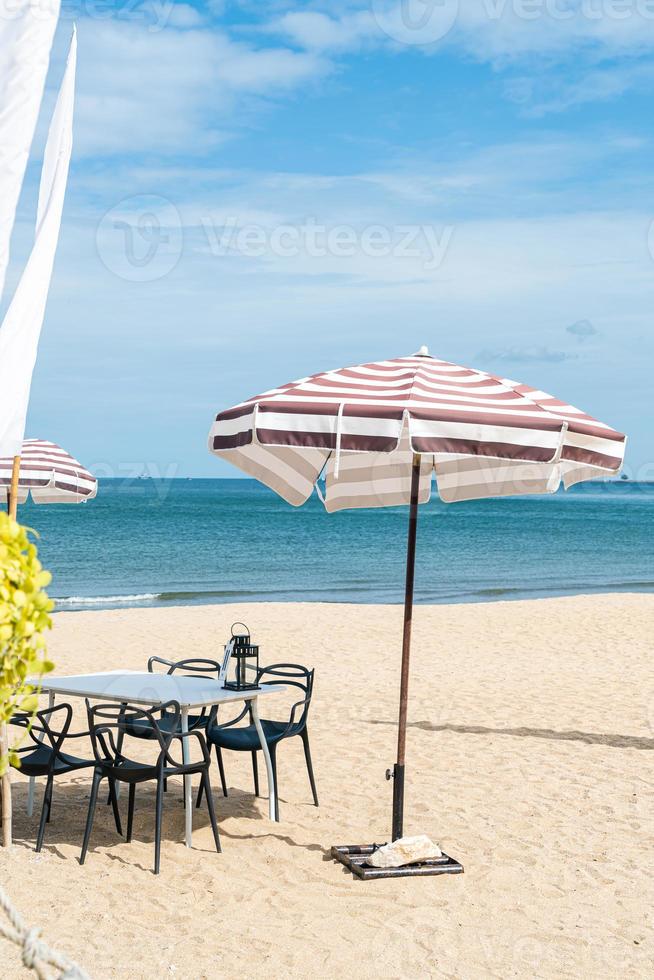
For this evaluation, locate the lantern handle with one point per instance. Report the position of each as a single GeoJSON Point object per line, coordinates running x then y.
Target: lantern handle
{"type": "Point", "coordinates": [240, 624]}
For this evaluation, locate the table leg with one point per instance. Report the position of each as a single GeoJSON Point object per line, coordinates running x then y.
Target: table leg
{"type": "Point", "coordinates": [272, 789]}
{"type": "Point", "coordinates": [32, 782]}
{"type": "Point", "coordinates": [188, 802]}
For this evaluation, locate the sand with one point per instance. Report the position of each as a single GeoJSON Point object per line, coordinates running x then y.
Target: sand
{"type": "Point", "coordinates": [529, 759]}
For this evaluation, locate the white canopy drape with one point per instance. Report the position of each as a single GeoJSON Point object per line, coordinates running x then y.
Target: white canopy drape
{"type": "Point", "coordinates": [21, 329]}
{"type": "Point", "coordinates": [26, 32]}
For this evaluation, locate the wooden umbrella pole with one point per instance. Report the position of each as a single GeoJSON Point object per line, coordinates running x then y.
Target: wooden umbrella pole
{"type": "Point", "coordinates": [12, 510]}
{"type": "Point", "coordinates": [12, 503]}
{"type": "Point", "coordinates": [6, 792]}
{"type": "Point", "coordinates": [398, 769]}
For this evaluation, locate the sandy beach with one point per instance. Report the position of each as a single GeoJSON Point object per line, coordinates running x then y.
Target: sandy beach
{"type": "Point", "coordinates": [529, 759]}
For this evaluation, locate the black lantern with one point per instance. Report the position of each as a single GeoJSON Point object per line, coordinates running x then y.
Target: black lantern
{"type": "Point", "coordinates": [243, 666]}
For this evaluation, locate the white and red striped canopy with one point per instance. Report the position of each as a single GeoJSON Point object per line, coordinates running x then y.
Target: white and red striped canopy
{"type": "Point", "coordinates": [49, 473]}
{"type": "Point", "coordinates": [481, 435]}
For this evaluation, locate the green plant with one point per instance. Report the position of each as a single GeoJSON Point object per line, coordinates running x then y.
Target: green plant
{"type": "Point", "coordinates": [24, 617]}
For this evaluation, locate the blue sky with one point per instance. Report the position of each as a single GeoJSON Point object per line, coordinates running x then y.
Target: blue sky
{"type": "Point", "coordinates": [264, 190]}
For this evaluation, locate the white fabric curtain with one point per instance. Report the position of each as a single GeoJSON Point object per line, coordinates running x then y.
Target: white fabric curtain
{"type": "Point", "coordinates": [21, 329]}
{"type": "Point", "coordinates": [26, 32]}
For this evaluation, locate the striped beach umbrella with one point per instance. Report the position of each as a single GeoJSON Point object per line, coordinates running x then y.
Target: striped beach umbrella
{"type": "Point", "coordinates": [50, 474]}
{"type": "Point", "coordinates": [377, 434]}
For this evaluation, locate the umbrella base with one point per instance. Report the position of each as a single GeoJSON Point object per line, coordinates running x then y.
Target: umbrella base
{"type": "Point", "coordinates": [354, 856]}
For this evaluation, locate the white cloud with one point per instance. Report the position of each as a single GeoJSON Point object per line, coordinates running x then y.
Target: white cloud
{"type": "Point", "coordinates": [582, 330]}
{"type": "Point", "coordinates": [550, 251]}
{"type": "Point", "coordinates": [188, 87]}
{"type": "Point", "coordinates": [529, 354]}
{"type": "Point", "coordinates": [582, 34]}
{"type": "Point", "coordinates": [264, 71]}
{"type": "Point", "coordinates": [182, 15]}
{"type": "Point", "coordinates": [172, 90]}
{"type": "Point", "coordinates": [550, 95]}
{"type": "Point", "coordinates": [515, 29]}
{"type": "Point", "coordinates": [530, 178]}
{"type": "Point", "coordinates": [489, 29]}
{"type": "Point", "coordinates": [316, 30]}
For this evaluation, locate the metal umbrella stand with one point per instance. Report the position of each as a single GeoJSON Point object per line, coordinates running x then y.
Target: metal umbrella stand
{"type": "Point", "coordinates": [378, 432]}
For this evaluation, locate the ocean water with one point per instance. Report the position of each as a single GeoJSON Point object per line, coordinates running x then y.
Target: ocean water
{"type": "Point", "coordinates": [150, 542]}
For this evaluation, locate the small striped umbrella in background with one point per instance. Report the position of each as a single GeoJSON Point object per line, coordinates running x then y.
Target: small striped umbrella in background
{"type": "Point", "coordinates": [52, 476]}
{"type": "Point", "coordinates": [49, 473]}
{"type": "Point", "coordinates": [378, 432]}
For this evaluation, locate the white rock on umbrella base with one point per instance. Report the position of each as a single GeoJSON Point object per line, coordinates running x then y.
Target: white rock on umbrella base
{"type": "Point", "coordinates": [405, 850]}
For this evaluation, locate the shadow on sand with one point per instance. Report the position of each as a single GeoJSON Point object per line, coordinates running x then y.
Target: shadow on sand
{"type": "Point", "coordinates": [69, 808]}
{"type": "Point", "coordinates": [590, 738]}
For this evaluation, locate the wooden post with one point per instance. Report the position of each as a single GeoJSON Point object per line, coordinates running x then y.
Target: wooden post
{"type": "Point", "coordinates": [398, 769]}
{"type": "Point", "coordinates": [6, 793]}
{"type": "Point", "coordinates": [12, 510]}
{"type": "Point", "coordinates": [12, 502]}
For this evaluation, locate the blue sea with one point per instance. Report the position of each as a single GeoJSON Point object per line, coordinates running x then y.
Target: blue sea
{"type": "Point", "coordinates": [171, 542]}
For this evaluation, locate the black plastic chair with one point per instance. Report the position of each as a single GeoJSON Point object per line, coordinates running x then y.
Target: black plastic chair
{"type": "Point", "coordinates": [246, 739]}
{"type": "Point", "coordinates": [141, 728]}
{"type": "Point", "coordinates": [109, 726]}
{"type": "Point", "coordinates": [189, 667]}
{"type": "Point", "coordinates": [44, 757]}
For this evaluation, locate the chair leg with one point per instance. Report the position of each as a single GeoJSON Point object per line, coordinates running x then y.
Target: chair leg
{"type": "Point", "coordinates": [221, 769]}
{"type": "Point", "coordinates": [157, 825]}
{"type": "Point", "coordinates": [50, 802]}
{"type": "Point", "coordinates": [114, 804]}
{"type": "Point", "coordinates": [212, 814]}
{"type": "Point", "coordinates": [307, 756]}
{"type": "Point", "coordinates": [272, 748]}
{"type": "Point", "coordinates": [165, 785]}
{"type": "Point", "coordinates": [45, 811]}
{"type": "Point", "coordinates": [255, 773]}
{"type": "Point", "coordinates": [97, 776]}
{"type": "Point", "coordinates": [130, 810]}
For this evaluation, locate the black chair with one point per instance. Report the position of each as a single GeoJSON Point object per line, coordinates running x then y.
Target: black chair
{"type": "Point", "coordinates": [246, 739]}
{"type": "Point", "coordinates": [189, 667]}
{"type": "Point", "coordinates": [141, 728]}
{"type": "Point", "coordinates": [109, 726]}
{"type": "Point", "coordinates": [44, 757]}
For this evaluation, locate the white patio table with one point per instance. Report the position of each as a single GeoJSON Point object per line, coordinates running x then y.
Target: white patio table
{"type": "Point", "coordinates": [136, 687]}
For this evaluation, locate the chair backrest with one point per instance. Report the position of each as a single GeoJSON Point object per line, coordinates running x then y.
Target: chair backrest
{"type": "Point", "coordinates": [291, 675]}
{"type": "Point", "coordinates": [52, 724]}
{"type": "Point", "coordinates": [110, 724]}
{"type": "Point", "coordinates": [191, 665]}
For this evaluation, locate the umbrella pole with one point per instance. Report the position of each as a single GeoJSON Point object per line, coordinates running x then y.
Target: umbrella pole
{"type": "Point", "coordinates": [12, 502]}
{"type": "Point", "coordinates": [12, 508]}
{"type": "Point", "coordinates": [398, 769]}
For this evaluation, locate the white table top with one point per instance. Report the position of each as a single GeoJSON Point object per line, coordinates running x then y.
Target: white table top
{"type": "Point", "coordinates": [145, 688]}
